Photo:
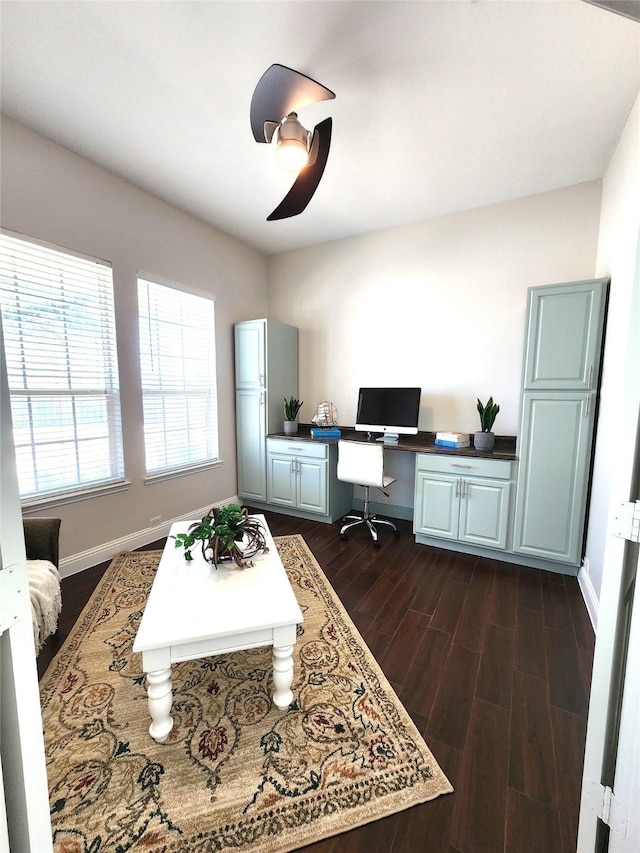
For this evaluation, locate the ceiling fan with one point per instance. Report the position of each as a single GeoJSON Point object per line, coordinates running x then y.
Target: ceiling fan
{"type": "Point", "coordinates": [281, 91]}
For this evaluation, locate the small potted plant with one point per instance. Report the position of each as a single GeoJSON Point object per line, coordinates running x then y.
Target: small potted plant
{"type": "Point", "coordinates": [291, 408]}
{"type": "Point", "coordinates": [220, 535]}
{"type": "Point", "coordinates": [484, 439]}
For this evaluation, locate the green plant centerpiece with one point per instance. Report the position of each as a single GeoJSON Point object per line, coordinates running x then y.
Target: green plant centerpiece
{"type": "Point", "coordinates": [484, 439]}
{"type": "Point", "coordinates": [220, 534]}
{"type": "Point", "coordinates": [488, 414]}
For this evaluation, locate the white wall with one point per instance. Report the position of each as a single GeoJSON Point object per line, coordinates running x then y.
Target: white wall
{"type": "Point", "coordinates": [440, 304]}
{"type": "Point", "coordinates": [52, 194]}
{"type": "Point", "coordinates": [617, 258]}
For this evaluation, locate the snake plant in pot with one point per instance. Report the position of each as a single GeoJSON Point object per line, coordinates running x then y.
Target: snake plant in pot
{"type": "Point", "coordinates": [291, 408]}
{"type": "Point", "coordinates": [484, 439]}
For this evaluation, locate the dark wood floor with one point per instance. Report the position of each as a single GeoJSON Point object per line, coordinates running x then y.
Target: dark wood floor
{"type": "Point", "coordinates": [492, 661]}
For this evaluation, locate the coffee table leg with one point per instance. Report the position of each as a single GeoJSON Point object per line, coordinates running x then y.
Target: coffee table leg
{"type": "Point", "coordinates": [160, 697]}
{"type": "Point", "coordinates": [282, 676]}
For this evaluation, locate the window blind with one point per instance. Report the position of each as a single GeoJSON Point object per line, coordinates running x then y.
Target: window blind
{"type": "Point", "coordinates": [60, 347]}
{"type": "Point", "coordinates": [178, 377]}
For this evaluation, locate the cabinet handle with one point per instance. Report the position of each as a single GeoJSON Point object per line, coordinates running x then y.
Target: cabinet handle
{"type": "Point", "coordinates": [459, 465]}
{"type": "Point", "coordinates": [462, 489]}
{"type": "Point", "coordinates": [457, 494]}
{"type": "Point", "coordinates": [587, 406]}
{"type": "Point", "coordinates": [261, 379]}
{"type": "Point", "coordinates": [590, 376]}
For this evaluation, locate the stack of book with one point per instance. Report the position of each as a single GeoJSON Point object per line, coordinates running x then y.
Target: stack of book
{"type": "Point", "coordinates": [453, 439]}
{"type": "Point", "coordinates": [325, 432]}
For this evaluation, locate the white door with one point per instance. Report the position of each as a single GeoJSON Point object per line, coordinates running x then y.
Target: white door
{"type": "Point", "coordinates": [24, 821]}
{"type": "Point", "coordinates": [610, 784]}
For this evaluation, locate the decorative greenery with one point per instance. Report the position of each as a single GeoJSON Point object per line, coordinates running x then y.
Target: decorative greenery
{"type": "Point", "coordinates": [219, 534]}
{"type": "Point", "coordinates": [487, 414]}
{"type": "Point", "coordinates": [291, 408]}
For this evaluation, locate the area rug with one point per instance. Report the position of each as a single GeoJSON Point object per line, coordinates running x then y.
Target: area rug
{"type": "Point", "coordinates": [236, 774]}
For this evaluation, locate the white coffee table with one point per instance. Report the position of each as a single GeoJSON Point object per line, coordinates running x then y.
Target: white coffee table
{"type": "Point", "coordinates": [195, 610]}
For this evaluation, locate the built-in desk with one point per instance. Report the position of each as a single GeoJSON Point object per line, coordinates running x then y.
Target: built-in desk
{"type": "Point", "coordinates": [423, 442]}
{"type": "Point", "coordinates": [462, 499]}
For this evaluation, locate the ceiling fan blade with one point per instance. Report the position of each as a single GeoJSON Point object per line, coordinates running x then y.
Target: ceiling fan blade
{"type": "Point", "coordinates": [279, 91]}
{"type": "Point", "coordinates": [307, 181]}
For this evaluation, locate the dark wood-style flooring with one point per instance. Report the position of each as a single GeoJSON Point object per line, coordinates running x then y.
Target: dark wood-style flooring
{"type": "Point", "coordinates": [492, 661]}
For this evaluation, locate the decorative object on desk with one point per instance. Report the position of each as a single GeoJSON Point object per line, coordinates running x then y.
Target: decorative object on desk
{"type": "Point", "coordinates": [484, 439]}
{"type": "Point", "coordinates": [326, 415]}
{"type": "Point", "coordinates": [291, 409]}
{"type": "Point", "coordinates": [220, 534]}
{"type": "Point", "coordinates": [453, 439]}
{"type": "Point", "coordinates": [325, 432]}
{"type": "Point", "coordinates": [235, 775]}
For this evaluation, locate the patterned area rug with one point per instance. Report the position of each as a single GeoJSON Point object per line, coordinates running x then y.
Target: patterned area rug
{"type": "Point", "coordinates": [235, 774]}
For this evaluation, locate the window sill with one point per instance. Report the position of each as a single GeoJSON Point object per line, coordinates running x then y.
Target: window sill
{"type": "Point", "coordinates": [73, 497]}
{"type": "Point", "coordinates": [181, 472]}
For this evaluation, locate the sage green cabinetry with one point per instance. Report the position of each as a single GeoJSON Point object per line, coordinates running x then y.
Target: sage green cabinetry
{"type": "Point", "coordinates": [462, 499]}
{"type": "Point", "coordinates": [297, 475]}
{"type": "Point", "coordinates": [563, 339]}
{"type": "Point", "coordinates": [561, 372]}
{"type": "Point", "coordinates": [301, 480]}
{"type": "Point", "coordinates": [266, 370]}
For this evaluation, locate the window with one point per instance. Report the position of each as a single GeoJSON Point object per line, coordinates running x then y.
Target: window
{"type": "Point", "coordinates": [178, 376]}
{"type": "Point", "coordinates": [60, 346]}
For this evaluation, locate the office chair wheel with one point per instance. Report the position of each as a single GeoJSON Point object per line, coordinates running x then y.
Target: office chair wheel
{"type": "Point", "coordinates": [376, 543]}
{"type": "Point", "coordinates": [343, 536]}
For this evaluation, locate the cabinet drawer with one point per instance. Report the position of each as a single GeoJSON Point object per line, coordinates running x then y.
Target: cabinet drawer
{"type": "Point", "coordinates": [306, 449]}
{"type": "Point", "coordinates": [464, 466]}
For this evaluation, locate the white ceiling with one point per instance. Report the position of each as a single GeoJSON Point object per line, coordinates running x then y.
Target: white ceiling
{"type": "Point", "coordinates": [440, 105]}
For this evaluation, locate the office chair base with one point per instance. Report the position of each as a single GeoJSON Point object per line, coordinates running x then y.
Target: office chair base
{"type": "Point", "coordinates": [370, 522]}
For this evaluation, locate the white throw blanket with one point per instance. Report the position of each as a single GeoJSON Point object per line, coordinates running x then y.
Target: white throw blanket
{"type": "Point", "coordinates": [46, 599]}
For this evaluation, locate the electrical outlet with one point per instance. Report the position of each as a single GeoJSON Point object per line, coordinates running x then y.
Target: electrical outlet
{"type": "Point", "coordinates": [155, 521]}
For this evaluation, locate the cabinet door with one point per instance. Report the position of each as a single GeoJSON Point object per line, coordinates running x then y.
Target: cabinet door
{"type": "Point", "coordinates": [281, 480]}
{"type": "Point", "coordinates": [437, 505]}
{"type": "Point", "coordinates": [250, 352]}
{"type": "Point", "coordinates": [250, 431]}
{"type": "Point", "coordinates": [312, 485]}
{"type": "Point", "coordinates": [484, 512]}
{"type": "Point", "coordinates": [553, 475]}
{"type": "Point", "coordinates": [564, 336]}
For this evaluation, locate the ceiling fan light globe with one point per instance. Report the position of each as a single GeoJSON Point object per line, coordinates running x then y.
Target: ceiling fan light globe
{"type": "Point", "coordinates": [292, 154]}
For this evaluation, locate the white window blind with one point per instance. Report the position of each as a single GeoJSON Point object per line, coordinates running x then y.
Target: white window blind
{"type": "Point", "coordinates": [60, 345]}
{"type": "Point", "coordinates": [178, 377]}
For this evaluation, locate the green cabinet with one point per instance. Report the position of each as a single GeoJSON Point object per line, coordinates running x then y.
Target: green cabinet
{"type": "Point", "coordinates": [463, 499]}
{"type": "Point", "coordinates": [297, 475]}
{"type": "Point", "coordinates": [564, 336]}
{"type": "Point", "coordinates": [561, 370]}
{"type": "Point", "coordinates": [301, 479]}
{"type": "Point", "coordinates": [266, 370]}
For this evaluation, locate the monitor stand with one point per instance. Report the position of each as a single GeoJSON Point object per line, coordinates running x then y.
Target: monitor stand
{"type": "Point", "coordinates": [389, 438]}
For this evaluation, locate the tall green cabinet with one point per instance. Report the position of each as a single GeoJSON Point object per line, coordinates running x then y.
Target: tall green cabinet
{"type": "Point", "coordinates": [561, 376]}
{"type": "Point", "coordinates": [266, 370]}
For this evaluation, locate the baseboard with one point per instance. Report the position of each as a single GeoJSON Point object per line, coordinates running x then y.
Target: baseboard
{"type": "Point", "coordinates": [101, 553]}
{"type": "Point", "coordinates": [382, 509]}
{"type": "Point", "coordinates": [589, 594]}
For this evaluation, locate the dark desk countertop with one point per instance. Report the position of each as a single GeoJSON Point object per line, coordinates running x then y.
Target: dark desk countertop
{"type": "Point", "coordinates": [423, 442]}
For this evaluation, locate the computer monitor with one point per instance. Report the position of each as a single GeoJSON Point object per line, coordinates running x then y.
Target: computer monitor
{"type": "Point", "coordinates": [390, 411]}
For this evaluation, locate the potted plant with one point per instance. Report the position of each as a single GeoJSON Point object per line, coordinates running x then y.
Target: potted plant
{"type": "Point", "coordinates": [484, 439]}
{"type": "Point", "coordinates": [220, 534]}
{"type": "Point", "coordinates": [291, 408]}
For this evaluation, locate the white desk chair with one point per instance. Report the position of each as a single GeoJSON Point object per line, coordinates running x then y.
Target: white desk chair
{"type": "Point", "coordinates": [361, 463]}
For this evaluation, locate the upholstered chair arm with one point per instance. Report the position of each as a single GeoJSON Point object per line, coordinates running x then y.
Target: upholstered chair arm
{"type": "Point", "coordinates": [42, 537]}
